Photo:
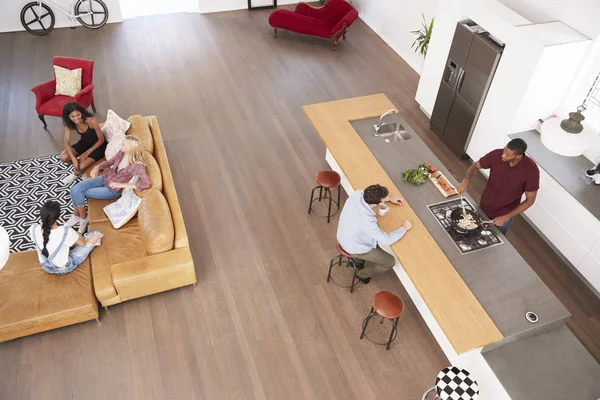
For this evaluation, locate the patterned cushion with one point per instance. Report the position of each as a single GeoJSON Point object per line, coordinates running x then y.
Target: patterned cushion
{"type": "Point", "coordinates": [140, 129]}
{"type": "Point", "coordinates": [68, 81]}
{"type": "Point", "coordinates": [115, 126]}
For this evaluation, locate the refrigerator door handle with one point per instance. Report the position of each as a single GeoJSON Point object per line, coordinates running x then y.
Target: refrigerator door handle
{"type": "Point", "coordinates": [459, 81]}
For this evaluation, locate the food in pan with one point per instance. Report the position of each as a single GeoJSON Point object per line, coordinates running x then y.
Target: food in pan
{"type": "Point", "coordinates": [467, 222]}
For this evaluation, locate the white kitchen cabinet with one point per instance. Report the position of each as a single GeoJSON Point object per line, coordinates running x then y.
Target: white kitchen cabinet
{"type": "Point", "coordinates": [561, 237]}
{"type": "Point", "coordinates": [578, 221]}
{"type": "Point", "coordinates": [590, 269]}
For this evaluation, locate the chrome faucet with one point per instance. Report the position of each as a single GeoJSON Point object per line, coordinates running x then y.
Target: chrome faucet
{"type": "Point", "coordinates": [388, 112]}
{"type": "Point", "coordinates": [389, 127]}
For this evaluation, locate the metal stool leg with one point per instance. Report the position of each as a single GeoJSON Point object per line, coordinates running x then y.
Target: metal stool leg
{"type": "Point", "coordinates": [353, 276]}
{"type": "Point", "coordinates": [339, 199]}
{"type": "Point", "coordinates": [330, 200]}
{"type": "Point", "coordinates": [366, 322]}
{"type": "Point", "coordinates": [427, 392]}
{"type": "Point", "coordinates": [320, 192]}
{"type": "Point", "coordinates": [312, 196]}
{"type": "Point", "coordinates": [331, 264]}
{"type": "Point", "coordinates": [392, 333]}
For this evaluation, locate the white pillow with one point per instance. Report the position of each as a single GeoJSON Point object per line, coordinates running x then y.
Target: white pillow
{"type": "Point", "coordinates": [122, 210]}
{"type": "Point", "coordinates": [113, 147]}
{"type": "Point", "coordinates": [114, 126]}
{"type": "Point", "coordinates": [114, 131]}
{"type": "Point", "coordinates": [68, 81]}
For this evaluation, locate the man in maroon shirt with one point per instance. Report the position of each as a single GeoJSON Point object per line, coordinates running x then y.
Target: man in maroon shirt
{"type": "Point", "coordinates": [512, 173]}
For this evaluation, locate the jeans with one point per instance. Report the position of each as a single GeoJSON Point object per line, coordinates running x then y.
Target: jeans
{"type": "Point", "coordinates": [77, 255]}
{"type": "Point", "coordinates": [377, 261]}
{"type": "Point", "coordinates": [504, 228]}
{"type": "Point", "coordinates": [94, 189]}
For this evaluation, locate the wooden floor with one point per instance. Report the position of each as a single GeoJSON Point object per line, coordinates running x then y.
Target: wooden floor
{"type": "Point", "coordinates": [262, 322]}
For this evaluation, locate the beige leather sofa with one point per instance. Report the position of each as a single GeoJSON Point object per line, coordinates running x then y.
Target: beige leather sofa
{"type": "Point", "coordinates": [149, 254]}
{"type": "Point", "coordinates": [32, 301]}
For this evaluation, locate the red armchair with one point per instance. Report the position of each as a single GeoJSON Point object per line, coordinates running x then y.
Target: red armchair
{"type": "Point", "coordinates": [329, 21]}
{"type": "Point", "coordinates": [46, 103]}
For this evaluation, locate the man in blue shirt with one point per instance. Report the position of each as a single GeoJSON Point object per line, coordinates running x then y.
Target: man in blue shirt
{"type": "Point", "coordinates": [358, 231]}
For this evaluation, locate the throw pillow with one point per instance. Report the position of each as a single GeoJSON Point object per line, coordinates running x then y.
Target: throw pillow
{"type": "Point", "coordinates": [113, 147]}
{"type": "Point", "coordinates": [155, 223]}
{"type": "Point", "coordinates": [114, 126]}
{"type": "Point", "coordinates": [154, 173]}
{"type": "Point", "coordinates": [68, 81]}
{"type": "Point", "coordinates": [122, 210]}
{"type": "Point", "coordinates": [140, 129]}
{"type": "Point", "coordinates": [114, 131]}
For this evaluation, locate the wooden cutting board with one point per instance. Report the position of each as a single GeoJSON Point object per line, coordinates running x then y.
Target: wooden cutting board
{"type": "Point", "coordinates": [436, 178]}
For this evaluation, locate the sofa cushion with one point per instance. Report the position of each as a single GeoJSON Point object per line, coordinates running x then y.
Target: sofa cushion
{"type": "Point", "coordinates": [96, 209]}
{"type": "Point", "coordinates": [55, 105]}
{"type": "Point", "coordinates": [156, 223]}
{"type": "Point", "coordinates": [123, 244]}
{"type": "Point", "coordinates": [153, 172]}
{"type": "Point", "coordinates": [33, 301]}
{"type": "Point", "coordinates": [140, 129]}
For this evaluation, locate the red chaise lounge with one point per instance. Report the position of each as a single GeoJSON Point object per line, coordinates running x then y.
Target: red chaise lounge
{"type": "Point", "coordinates": [329, 21]}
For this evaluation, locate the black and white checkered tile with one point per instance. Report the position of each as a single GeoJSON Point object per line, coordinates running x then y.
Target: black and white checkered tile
{"type": "Point", "coordinates": [453, 383]}
{"type": "Point", "coordinates": [24, 186]}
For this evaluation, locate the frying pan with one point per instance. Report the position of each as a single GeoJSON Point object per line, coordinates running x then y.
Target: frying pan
{"type": "Point", "coordinates": [457, 215]}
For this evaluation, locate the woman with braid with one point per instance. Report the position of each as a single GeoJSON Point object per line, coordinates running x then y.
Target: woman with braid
{"type": "Point", "coordinates": [54, 242]}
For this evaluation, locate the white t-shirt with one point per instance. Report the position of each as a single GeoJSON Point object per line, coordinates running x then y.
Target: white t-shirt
{"type": "Point", "coordinates": [56, 236]}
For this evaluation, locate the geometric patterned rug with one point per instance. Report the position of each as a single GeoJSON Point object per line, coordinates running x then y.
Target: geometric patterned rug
{"type": "Point", "coordinates": [24, 186]}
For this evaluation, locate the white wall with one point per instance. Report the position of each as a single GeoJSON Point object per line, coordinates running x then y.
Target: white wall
{"type": "Point", "coordinates": [393, 20]}
{"type": "Point", "coordinates": [10, 12]}
{"type": "Point", "coordinates": [139, 8]}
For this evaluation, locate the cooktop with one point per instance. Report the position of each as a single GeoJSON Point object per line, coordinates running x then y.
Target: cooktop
{"type": "Point", "coordinates": [466, 243]}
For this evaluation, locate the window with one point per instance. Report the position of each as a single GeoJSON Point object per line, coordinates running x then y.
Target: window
{"type": "Point", "coordinates": [592, 102]}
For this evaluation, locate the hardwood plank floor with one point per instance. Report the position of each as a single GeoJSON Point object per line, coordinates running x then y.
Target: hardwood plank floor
{"type": "Point", "coordinates": [262, 322]}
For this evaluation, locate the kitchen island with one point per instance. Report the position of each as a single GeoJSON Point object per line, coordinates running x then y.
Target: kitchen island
{"type": "Point", "coordinates": [471, 302]}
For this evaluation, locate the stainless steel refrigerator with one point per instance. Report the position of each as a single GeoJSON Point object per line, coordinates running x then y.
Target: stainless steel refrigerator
{"type": "Point", "coordinates": [468, 74]}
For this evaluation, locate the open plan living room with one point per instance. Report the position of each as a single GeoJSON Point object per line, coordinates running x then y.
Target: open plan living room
{"type": "Point", "coordinates": [367, 199]}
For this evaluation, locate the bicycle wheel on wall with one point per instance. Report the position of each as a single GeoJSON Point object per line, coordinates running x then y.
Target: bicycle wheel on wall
{"type": "Point", "coordinates": [92, 14]}
{"type": "Point", "coordinates": [37, 20]}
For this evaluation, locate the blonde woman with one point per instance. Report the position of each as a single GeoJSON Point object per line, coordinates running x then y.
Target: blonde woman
{"type": "Point", "coordinates": [121, 168]}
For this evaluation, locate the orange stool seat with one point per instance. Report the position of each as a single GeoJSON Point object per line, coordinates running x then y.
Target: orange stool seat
{"type": "Point", "coordinates": [388, 305]}
{"type": "Point", "coordinates": [328, 179]}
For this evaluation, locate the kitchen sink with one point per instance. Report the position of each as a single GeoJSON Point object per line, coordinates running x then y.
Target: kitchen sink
{"type": "Point", "coordinates": [392, 131]}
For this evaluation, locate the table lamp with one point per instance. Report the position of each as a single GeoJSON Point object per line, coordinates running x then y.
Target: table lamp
{"type": "Point", "coordinates": [4, 247]}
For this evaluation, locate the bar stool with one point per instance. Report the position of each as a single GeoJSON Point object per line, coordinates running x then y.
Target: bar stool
{"type": "Point", "coordinates": [326, 180]}
{"type": "Point", "coordinates": [345, 257]}
{"type": "Point", "coordinates": [387, 305]}
{"type": "Point", "coordinates": [453, 383]}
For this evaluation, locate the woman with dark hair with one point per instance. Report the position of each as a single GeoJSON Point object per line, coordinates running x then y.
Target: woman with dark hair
{"type": "Point", "coordinates": [91, 145]}
{"type": "Point", "coordinates": [53, 242]}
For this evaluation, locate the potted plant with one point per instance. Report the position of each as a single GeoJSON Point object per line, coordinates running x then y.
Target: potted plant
{"type": "Point", "coordinates": [423, 35]}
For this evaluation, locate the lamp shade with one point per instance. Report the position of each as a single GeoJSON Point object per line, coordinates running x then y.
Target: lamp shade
{"type": "Point", "coordinates": [4, 247]}
{"type": "Point", "coordinates": [564, 143]}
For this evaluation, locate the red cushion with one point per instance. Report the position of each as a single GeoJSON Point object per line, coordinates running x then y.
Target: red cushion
{"type": "Point", "coordinates": [55, 105]}
{"type": "Point", "coordinates": [286, 19]}
{"type": "Point", "coordinates": [332, 11]}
